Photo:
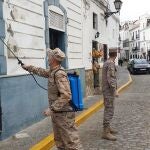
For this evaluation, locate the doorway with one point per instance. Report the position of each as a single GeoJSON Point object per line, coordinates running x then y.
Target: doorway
{"type": "Point", "coordinates": [96, 67]}
{"type": "Point", "coordinates": [57, 40]}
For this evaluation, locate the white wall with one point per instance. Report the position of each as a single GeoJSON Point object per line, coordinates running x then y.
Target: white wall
{"type": "Point", "coordinates": [134, 42]}
{"type": "Point", "coordinates": [74, 32]}
{"type": "Point", "coordinates": [29, 35]}
{"type": "Point", "coordinates": [143, 21]}
{"type": "Point", "coordinates": [145, 44]}
{"type": "Point", "coordinates": [81, 33]}
{"type": "Point", "coordinates": [89, 32]}
{"type": "Point", "coordinates": [28, 26]}
{"type": "Point", "coordinates": [113, 33]}
{"type": "Point", "coordinates": [108, 34]}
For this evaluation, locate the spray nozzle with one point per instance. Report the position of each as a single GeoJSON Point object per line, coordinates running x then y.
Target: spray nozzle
{"type": "Point", "coordinates": [20, 62]}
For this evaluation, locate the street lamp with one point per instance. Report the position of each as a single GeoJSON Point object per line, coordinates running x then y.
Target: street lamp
{"type": "Point", "coordinates": [118, 4]}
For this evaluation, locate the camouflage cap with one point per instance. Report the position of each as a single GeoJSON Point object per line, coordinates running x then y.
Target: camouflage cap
{"type": "Point", "coordinates": [113, 50]}
{"type": "Point", "coordinates": [57, 54]}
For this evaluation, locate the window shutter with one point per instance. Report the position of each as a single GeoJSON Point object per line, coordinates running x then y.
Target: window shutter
{"type": "Point", "coordinates": [56, 21]}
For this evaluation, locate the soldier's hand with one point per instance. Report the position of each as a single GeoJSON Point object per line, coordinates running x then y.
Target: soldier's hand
{"type": "Point", "coordinates": [116, 94]}
{"type": "Point", "coordinates": [24, 66]}
{"type": "Point", "coordinates": [47, 112]}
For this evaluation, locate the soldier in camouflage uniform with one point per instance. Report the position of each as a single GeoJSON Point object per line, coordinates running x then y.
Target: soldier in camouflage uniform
{"type": "Point", "coordinates": [59, 95]}
{"type": "Point", "coordinates": [109, 88]}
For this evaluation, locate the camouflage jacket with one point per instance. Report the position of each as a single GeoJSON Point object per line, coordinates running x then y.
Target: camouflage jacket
{"type": "Point", "coordinates": [59, 93]}
{"type": "Point", "coordinates": [109, 79]}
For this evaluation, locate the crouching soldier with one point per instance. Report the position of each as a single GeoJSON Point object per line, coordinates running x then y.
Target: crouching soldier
{"type": "Point", "coordinates": [109, 88]}
{"type": "Point", "coordinates": [59, 96]}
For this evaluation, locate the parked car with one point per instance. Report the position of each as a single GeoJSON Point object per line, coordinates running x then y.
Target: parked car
{"type": "Point", "coordinates": [138, 66]}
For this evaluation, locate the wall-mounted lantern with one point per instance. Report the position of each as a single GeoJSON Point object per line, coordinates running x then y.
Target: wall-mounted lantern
{"type": "Point", "coordinates": [118, 4]}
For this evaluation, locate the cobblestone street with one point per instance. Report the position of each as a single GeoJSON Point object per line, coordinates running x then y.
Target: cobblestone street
{"type": "Point", "coordinates": [40, 130]}
{"type": "Point", "coordinates": [68, 68]}
{"type": "Point", "coordinates": [132, 115]}
{"type": "Point", "coordinates": [132, 120]}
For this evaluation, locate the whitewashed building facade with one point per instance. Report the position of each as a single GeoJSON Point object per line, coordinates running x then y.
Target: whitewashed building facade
{"type": "Point", "coordinates": [138, 35]}
{"type": "Point", "coordinates": [124, 40]}
{"type": "Point", "coordinates": [28, 28]}
{"type": "Point", "coordinates": [135, 40]}
{"type": "Point", "coordinates": [145, 36]}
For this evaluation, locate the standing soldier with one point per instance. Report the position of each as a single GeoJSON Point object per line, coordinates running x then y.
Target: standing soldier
{"type": "Point", "coordinates": [59, 95]}
{"type": "Point", "coordinates": [109, 88]}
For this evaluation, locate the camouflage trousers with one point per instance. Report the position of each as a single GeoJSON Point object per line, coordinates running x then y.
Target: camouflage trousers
{"type": "Point", "coordinates": [108, 110]}
{"type": "Point", "coordinates": [65, 132]}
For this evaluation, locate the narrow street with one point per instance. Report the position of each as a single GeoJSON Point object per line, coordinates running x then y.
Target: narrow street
{"type": "Point", "coordinates": [38, 38]}
{"type": "Point", "coordinates": [42, 129]}
{"type": "Point", "coordinates": [132, 120]}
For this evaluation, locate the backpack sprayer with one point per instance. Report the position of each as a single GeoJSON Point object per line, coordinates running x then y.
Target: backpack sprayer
{"type": "Point", "coordinates": [75, 86]}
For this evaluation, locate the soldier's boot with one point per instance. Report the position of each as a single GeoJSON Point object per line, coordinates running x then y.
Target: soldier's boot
{"type": "Point", "coordinates": [112, 131]}
{"type": "Point", "coordinates": [107, 135]}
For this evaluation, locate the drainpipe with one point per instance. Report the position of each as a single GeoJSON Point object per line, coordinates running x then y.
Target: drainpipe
{"type": "Point", "coordinates": [0, 117]}
{"type": "Point", "coordinates": [3, 69]}
{"type": "Point", "coordinates": [3, 66]}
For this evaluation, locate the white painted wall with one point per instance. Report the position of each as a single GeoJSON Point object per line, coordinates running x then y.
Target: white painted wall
{"type": "Point", "coordinates": [74, 32]}
{"type": "Point", "coordinates": [113, 33]}
{"type": "Point", "coordinates": [122, 52]}
{"type": "Point", "coordinates": [89, 32]}
{"type": "Point", "coordinates": [131, 35]}
{"type": "Point", "coordinates": [144, 34]}
{"type": "Point", "coordinates": [145, 43]}
{"type": "Point", "coordinates": [143, 20]}
{"type": "Point", "coordinates": [147, 36]}
{"type": "Point", "coordinates": [29, 32]}
{"type": "Point", "coordinates": [28, 27]}
{"type": "Point", "coordinates": [81, 33]}
{"type": "Point", "coordinates": [108, 34]}
{"type": "Point", "coordinates": [134, 28]}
